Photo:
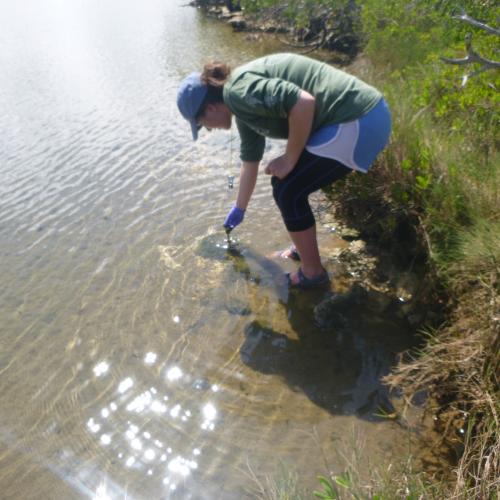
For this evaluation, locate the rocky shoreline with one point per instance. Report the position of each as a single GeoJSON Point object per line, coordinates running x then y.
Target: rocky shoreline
{"type": "Point", "coordinates": [236, 18]}
{"type": "Point", "coordinates": [340, 41]}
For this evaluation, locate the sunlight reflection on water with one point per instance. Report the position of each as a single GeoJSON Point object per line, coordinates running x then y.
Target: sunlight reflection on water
{"type": "Point", "coordinates": [135, 446]}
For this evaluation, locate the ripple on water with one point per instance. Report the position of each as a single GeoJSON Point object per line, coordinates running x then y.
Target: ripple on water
{"type": "Point", "coordinates": [158, 433]}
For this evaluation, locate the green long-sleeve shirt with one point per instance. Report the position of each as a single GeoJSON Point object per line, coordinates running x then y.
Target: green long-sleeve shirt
{"type": "Point", "coordinates": [261, 94]}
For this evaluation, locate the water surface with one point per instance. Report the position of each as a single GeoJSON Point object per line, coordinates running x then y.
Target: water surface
{"type": "Point", "coordinates": [138, 357]}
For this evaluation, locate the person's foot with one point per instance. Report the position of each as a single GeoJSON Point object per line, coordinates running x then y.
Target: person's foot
{"type": "Point", "coordinates": [289, 253]}
{"type": "Point", "coordinates": [301, 280]}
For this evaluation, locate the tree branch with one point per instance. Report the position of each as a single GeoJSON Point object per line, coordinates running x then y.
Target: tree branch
{"type": "Point", "coordinates": [472, 56]}
{"type": "Point", "coordinates": [318, 42]}
{"type": "Point", "coordinates": [469, 20]}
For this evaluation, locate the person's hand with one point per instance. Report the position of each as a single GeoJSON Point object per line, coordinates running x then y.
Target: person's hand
{"type": "Point", "coordinates": [234, 217]}
{"type": "Point", "coordinates": [280, 167]}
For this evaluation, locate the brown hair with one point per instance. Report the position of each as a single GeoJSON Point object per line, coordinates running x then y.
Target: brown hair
{"type": "Point", "coordinates": [215, 74]}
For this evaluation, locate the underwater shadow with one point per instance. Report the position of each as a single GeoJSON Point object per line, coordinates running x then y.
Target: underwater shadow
{"type": "Point", "coordinates": [340, 346]}
{"type": "Point", "coordinates": [344, 343]}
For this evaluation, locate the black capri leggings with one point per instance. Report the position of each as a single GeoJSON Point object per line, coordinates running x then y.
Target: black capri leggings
{"type": "Point", "coordinates": [291, 193]}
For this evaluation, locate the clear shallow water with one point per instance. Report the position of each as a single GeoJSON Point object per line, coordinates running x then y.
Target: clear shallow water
{"type": "Point", "coordinates": [139, 358]}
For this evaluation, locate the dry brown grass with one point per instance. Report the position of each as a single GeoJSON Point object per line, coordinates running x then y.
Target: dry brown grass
{"type": "Point", "coordinates": [460, 368]}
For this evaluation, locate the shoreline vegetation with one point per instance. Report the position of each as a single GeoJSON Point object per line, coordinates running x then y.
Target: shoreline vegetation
{"type": "Point", "coordinates": [432, 201]}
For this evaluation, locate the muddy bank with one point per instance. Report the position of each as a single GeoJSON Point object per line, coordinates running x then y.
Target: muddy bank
{"type": "Point", "coordinates": [454, 374]}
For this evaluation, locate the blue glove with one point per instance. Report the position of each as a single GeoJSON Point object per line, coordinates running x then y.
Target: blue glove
{"type": "Point", "coordinates": [234, 217]}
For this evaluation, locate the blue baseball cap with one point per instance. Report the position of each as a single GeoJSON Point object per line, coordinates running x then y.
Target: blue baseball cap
{"type": "Point", "coordinates": [190, 97]}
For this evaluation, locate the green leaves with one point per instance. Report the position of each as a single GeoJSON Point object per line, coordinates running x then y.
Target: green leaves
{"type": "Point", "coordinates": [330, 490]}
{"type": "Point", "coordinates": [422, 181]}
{"type": "Point", "coordinates": [343, 480]}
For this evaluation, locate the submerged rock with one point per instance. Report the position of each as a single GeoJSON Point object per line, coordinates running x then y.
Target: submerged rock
{"type": "Point", "coordinates": [201, 384]}
{"type": "Point", "coordinates": [238, 307]}
{"type": "Point", "coordinates": [333, 311]}
{"type": "Point", "coordinates": [356, 261]}
{"type": "Point", "coordinates": [215, 246]}
{"type": "Point", "coordinates": [238, 23]}
{"type": "Point", "coordinates": [349, 234]}
{"type": "Point", "coordinates": [378, 302]}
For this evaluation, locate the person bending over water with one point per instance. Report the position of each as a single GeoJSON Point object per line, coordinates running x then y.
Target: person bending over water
{"type": "Point", "coordinates": [334, 123]}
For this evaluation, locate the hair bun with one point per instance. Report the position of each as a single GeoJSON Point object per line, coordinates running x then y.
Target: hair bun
{"type": "Point", "coordinates": [215, 74]}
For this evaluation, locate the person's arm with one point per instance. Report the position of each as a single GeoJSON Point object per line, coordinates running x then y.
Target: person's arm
{"type": "Point", "coordinates": [300, 121]}
{"type": "Point", "coordinates": [248, 178]}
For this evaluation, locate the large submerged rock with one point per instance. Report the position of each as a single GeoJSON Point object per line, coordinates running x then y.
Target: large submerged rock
{"type": "Point", "coordinates": [332, 312]}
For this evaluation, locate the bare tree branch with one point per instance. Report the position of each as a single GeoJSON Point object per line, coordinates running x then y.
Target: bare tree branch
{"type": "Point", "coordinates": [472, 56]}
{"type": "Point", "coordinates": [469, 20]}
{"type": "Point", "coordinates": [318, 41]}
